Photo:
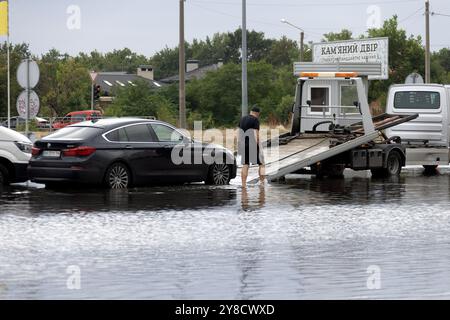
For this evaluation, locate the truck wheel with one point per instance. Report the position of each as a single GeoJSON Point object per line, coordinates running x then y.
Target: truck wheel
{"type": "Point", "coordinates": [4, 180]}
{"type": "Point", "coordinates": [393, 166]}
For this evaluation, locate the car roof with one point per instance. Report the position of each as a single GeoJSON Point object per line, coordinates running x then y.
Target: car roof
{"type": "Point", "coordinates": [402, 85]}
{"type": "Point", "coordinates": [84, 112]}
{"type": "Point", "coordinates": [111, 123]}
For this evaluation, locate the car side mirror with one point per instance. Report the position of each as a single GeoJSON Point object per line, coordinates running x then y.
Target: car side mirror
{"type": "Point", "coordinates": [184, 139]}
{"type": "Point", "coordinates": [356, 103]}
{"type": "Point", "coordinates": [308, 102]}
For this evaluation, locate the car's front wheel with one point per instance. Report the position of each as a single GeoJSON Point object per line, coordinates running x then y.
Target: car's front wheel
{"type": "Point", "coordinates": [219, 174]}
{"type": "Point", "coordinates": [118, 176]}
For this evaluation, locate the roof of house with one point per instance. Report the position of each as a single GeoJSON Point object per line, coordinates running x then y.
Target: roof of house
{"type": "Point", "coordinates": [194, 74]}
{"type": "Point", "coordinates": [110, 81]}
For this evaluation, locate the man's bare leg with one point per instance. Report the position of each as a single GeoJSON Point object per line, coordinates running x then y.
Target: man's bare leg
{"type": "Point", "coordinates": [244, 175]}
{"type": "Point", "coordinates": [262, 173]}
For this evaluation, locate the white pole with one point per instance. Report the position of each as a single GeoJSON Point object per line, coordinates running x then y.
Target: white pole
{"type": "Point", "coordinates": [27, 128]}
{"type": "Point", "coordinates": [92, 95]}
{"type": "Point", "coordinates": [244, 59]}
{"type": "Point", "coordinates": [8, 69]}
{"type": "Point", "coordinates": [182, 70]}
{"type": "Point", "coordinates": [427, 43]}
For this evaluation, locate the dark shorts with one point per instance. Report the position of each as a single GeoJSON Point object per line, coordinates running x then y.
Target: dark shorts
{"type": "Point", "coordinates": [249, 156]}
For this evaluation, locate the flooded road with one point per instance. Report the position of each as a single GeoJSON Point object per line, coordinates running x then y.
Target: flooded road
{"type": "Point", "coordinates": [304, 239]}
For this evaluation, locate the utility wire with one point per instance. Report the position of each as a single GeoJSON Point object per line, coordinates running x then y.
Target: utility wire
{"type": "Point", "coordinates": [440, 14]}
{"type": "Point", "coordinates": [311, 4]}
{"type": "Point", "coordinates": [412, 14]}
{"type": "Point", "coordinates": [307, 31]}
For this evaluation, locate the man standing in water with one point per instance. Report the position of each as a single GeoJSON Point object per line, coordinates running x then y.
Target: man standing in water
{"type": "Point", "coordinates": [249, 144]}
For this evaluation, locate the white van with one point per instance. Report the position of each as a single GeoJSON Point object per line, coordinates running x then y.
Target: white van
{"type": "Point", "coordinates": [427, 137]}
{"type": "Point", "coordinates": [15, 152]}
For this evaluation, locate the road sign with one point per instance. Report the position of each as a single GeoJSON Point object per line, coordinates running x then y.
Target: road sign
{"type": "Point", "coordinates": [22, 105]}
{"type": "Point", "coordinates": [414, 78]}
{"type": "Point", "coordinates": [371, 50]}
{"type": "Point", "coordinates": [28, 74]}
{"type": "Point", "coordinates": [93, 75]}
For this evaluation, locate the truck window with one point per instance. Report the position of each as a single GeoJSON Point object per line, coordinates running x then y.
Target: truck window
{"type": "Point", "coordinates": [320, 96]}
{"type": "Point", "coordinates": [349, 94]}
{"type": "Point", "coordinates": [417, 100]}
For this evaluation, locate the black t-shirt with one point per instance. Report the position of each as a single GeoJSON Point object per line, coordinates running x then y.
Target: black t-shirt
{"type": "Point", "coordinates": [249, 122]}
{"type": "Point", "coordinates": [246, 136]}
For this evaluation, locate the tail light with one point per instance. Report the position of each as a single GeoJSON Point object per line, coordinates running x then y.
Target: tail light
{"type": "Point", "coordinates": [35, 151]}
{"type": "Point", "coordinates": [79, 152]}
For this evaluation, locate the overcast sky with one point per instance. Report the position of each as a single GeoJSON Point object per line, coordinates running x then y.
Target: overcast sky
{"type": "Point", "coordinates": [146, 26]}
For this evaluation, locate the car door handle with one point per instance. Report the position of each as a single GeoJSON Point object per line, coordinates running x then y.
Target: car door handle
{"type": "Point", "coordinates": [128, 147]}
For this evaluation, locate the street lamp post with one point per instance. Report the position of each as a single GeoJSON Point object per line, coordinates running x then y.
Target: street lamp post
{"type": "Point", "coordinates": [244, 107]}
{"type": "Point", "coordinates": [302, 38]}
{"type": "Point", "coordinates": [182, 70]}
{"type": "Point", "coordinates": [427, 43]}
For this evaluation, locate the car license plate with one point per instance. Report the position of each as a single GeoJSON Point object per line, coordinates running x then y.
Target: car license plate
{"type": "Point", "coordinates": [51, 154]}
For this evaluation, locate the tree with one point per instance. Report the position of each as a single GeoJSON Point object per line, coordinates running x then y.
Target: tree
{"type": "Point", "coordinates": [142, 101]}
{"type": "Point", "coordinates": [216, 98]}
{"type": "Point", "coordinates": [406, 55]}
{"type": "Point", "coordinates": [283, 52]}
{"type": "Point", "coordinates": [258, 46]}
{"type": "Point", "coordinates": [65, 85]}
{"type": "Point", "coordinates": [338, 36]}
{"type": "Point", "coordinates": [118, 60]}
{"type": "Point", "coordinates": [165, 62]}
{"type": "Point", "coordinates": [48, 85]}
{"type": "Point", "coordinates": [440, 66]}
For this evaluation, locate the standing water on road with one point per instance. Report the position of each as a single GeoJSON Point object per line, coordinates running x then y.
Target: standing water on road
{"type": "Point", "coordinates": [350, 238]}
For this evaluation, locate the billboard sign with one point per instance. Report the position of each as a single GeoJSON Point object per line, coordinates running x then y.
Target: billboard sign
{"type": "Point", "coordinates": [372, 50]}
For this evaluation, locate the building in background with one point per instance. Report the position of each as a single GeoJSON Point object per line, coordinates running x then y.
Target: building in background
{"type": "Point", "coordinates": [109, 82]}
{"type": "Point", "coordinates": [194, 71]}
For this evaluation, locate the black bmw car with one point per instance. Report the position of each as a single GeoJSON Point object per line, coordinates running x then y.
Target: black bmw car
{"type": "Point", "coordinates": [123, 152]}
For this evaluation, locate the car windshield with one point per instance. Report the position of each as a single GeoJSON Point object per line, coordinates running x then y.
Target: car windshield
{"type": "Point", "coordinates": [74, 133]}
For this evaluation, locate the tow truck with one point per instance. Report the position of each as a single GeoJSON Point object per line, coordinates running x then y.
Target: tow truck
{"type": "Point", "coordinates": [332, 127]}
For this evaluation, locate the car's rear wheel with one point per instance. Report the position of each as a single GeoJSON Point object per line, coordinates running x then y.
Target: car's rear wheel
{"type": "Point", "coordinates": [219, 174]}
{"type": "Point", "coordinates": [118, 176]}
{"type": "Point", "coordinates": [4, 177]}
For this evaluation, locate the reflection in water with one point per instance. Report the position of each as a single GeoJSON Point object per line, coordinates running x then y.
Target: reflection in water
{"type": "Point", "coordinates": [307, 238]}
{"type": "Point", "coordinates": [255, 201]}
{"type": "Point", "coordinates": [94, 200]}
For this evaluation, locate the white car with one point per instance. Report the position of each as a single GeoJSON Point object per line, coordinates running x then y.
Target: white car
{"type": "Point", "coordinates": [15, 152]}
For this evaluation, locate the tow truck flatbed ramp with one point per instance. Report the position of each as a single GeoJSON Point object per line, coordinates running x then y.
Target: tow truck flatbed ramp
{"type": "Point", "coordinates": [307, 149]}
{"type": "Point", "coordinates": [304, 152]}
